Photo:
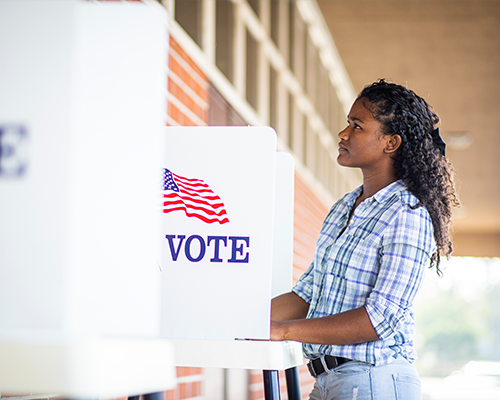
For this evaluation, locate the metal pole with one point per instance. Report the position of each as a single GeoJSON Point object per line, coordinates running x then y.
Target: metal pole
{"type": "Point", "coordinates": [293, 384]}
{"type": "Point", "coordinates": [271, 385]}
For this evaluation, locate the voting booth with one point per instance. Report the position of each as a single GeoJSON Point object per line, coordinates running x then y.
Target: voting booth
{"type": "Point", "coordinates": [218, 215]}
{"type": "Point", "coordinates": [82, 108]}
{"type": "Point", "coordinates": [227, 230]}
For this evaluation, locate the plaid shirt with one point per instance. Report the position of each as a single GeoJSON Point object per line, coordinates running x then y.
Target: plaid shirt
{"type": "Point", "coordinates": [378, 262]}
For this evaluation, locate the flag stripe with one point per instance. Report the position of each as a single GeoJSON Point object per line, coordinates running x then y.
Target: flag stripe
{"type": "Point", "coordinates": [196, 192]}
{"type": "Point", "coordinates": [197, 201]}
{"type": "Point", "coordinates": [193, 207]}
{"type": "Point", "coordinates": [183, 178]}
{"type": "Point", "coordinates": [194, 197]}
{"type": "Point", "coordinates": [198, 187]}
{"type": "Point", "coordinates": [188, 181]}
{"type": "Point", "coordinates": [199, 216]}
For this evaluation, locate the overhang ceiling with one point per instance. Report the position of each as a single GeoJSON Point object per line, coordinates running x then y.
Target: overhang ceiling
{"type": "Point", "coordinates": [448, 52]}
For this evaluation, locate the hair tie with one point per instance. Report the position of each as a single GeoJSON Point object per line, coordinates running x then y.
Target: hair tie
{"type": "Point", "coordinates": [438, 141]}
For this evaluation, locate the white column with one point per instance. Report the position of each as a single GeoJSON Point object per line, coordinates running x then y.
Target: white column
{"type": "Point", "coordinates": [208, 29]}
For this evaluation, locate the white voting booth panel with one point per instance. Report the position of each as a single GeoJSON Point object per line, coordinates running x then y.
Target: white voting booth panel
{"type": "Point", "coordinates": [85, 367]}
{"type": "Point", "coordinates": [223, 264]}
{"type": "Point", "coordinates": [81, 117]}
{"type": "Point", "coordinates": [82, 108]}
{"type": "Point", "coordinates": [218, 251]}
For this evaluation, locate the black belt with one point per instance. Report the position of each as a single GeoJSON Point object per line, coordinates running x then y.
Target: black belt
{"type": "Point", "coordinates": [316, 366]}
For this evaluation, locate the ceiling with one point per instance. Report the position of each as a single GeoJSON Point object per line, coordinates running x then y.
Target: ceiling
{"type": "Point", "coordinates": [449, 53]}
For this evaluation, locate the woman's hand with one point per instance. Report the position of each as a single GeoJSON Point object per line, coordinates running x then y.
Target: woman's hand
{"type": "Point", "coordinates": [277, 332]}
{"type": "Point", "coordinates": [288, 306]}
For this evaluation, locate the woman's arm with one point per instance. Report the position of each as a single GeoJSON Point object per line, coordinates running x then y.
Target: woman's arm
{"type": "Point", "coordinates": [349, 327]}
{"type": "Point", "coordinates": [288, 306]}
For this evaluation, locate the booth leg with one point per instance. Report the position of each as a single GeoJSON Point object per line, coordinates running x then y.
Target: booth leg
{"type": "Point", "coordinates": [271, 385]}
{"type": "Point", "coordinates": [292, 383]}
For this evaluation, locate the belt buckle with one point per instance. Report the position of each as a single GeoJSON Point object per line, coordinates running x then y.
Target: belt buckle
{"type": "Point", "coordinates": [310, 367]}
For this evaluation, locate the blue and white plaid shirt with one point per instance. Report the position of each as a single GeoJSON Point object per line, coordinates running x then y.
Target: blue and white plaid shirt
{"type": "Point", "coordinates": [378, 262]}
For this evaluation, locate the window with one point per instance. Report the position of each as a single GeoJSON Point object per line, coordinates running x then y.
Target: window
{"type": "Point", "coordinates": [224, 16]}
{"type": "Point", "coordinates": [255, 4]}
{"type": "Point", "coordinates": [297, 43]}
{"type": "Point", "coordinates": [252, 70]}
{"type": "Point", "coordinates": [273, 98]}
{"type": "Point", "coordinates": [188, 15]}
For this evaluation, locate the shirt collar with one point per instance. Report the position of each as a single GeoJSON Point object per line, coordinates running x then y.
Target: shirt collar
{"type": "Point", "coordinates": [382, 195]}
{"type": "Point", "coordinates": [390, 190]}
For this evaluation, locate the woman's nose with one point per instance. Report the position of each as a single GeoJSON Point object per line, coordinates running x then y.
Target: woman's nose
{"type": "Point", "coordinates": [343, 133]}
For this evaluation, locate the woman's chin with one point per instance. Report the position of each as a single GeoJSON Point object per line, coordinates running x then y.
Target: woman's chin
{"type": "Point", "coordinates": [341, 160]}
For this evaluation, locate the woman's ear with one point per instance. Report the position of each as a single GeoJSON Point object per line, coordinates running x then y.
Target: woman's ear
{"type": "Point", "coordinates": [393, 143]}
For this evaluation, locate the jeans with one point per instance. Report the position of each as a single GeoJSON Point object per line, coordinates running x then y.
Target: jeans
{"type": "Point", "coordinates": [356, 380]}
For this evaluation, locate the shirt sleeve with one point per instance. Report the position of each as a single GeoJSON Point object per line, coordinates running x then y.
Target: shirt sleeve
{"type": "Point", "coordinates": [304, 286]}
{"type": "Point", "coordinates": [404, 255]}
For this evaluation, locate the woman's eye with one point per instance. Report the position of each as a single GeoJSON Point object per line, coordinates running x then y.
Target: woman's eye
{"type": "Point", "coordinates": [356, 126]}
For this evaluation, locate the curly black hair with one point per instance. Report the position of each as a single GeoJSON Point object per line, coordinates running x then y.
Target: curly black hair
{"type": "Point", "coordinates": [418, 162]}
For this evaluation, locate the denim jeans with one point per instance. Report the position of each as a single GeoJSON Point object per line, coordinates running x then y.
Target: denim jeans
{"type": "Point", "coordinates": [355, 380]}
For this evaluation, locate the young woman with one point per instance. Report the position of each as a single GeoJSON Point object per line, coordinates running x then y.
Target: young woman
{"type": "Point", "coordinates": [353, 307]}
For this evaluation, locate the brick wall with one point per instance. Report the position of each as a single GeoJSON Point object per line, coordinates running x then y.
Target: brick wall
{"type": "Point", "coordinates": [189, 384]}
{"type": "Point", "coordinates": [187, 90]}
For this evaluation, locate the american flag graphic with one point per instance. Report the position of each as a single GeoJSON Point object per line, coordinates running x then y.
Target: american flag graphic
{"type": "Point", "coordinates": [194, 197]}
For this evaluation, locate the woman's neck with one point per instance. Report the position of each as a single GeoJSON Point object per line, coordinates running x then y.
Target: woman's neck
{"type": "Point", "coordinates": [374, 182]}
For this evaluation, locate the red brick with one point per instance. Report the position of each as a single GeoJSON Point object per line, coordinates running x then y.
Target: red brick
{"type": "Point", "coordinates": [181, 388]}
{"type": "Point", "coordinates": [170, 395]}
{"type": "Point", "coordinates": [174, 46]}
{"type": "Point", "coordinates": [257, 394]}
{"type": "Point", "coordinates": [173, 112]}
